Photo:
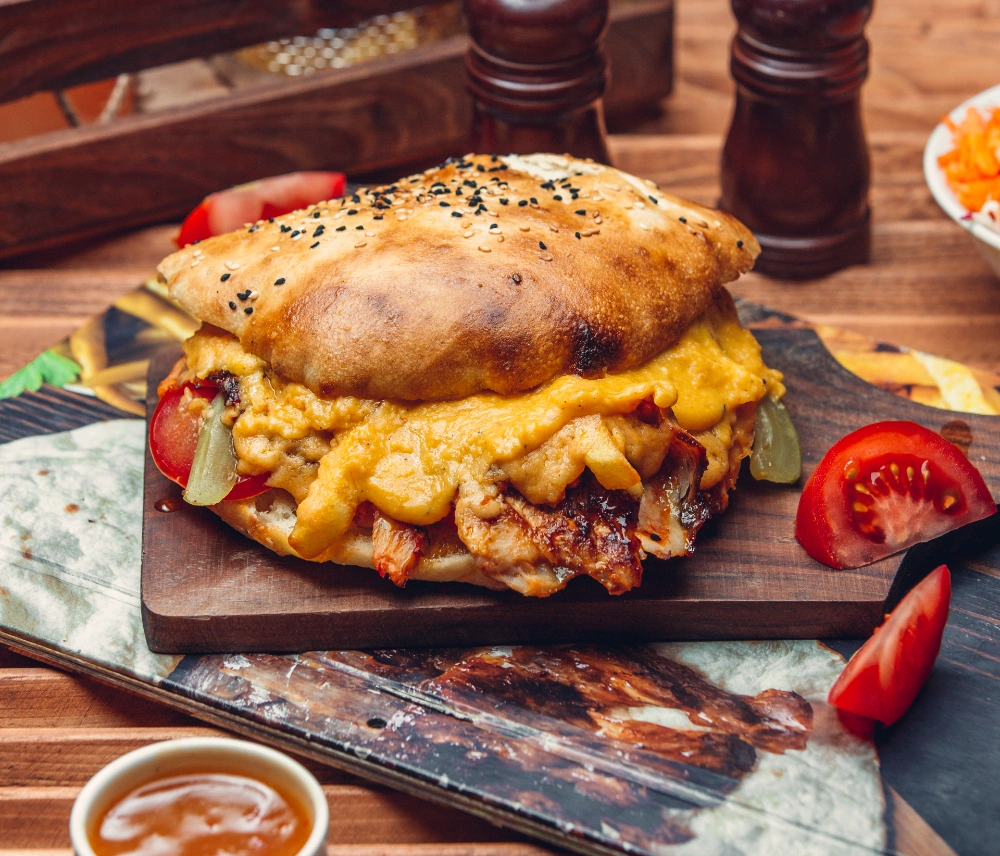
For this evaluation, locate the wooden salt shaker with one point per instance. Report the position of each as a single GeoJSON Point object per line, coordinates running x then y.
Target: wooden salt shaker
{"type": "Point", "coordinates": [536, 71]}
{"type": "Point", "coordinates": [795, 167]}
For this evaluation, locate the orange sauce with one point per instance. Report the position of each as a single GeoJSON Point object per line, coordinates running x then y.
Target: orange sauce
{"type": "Point", "coordinates": [202, 814]}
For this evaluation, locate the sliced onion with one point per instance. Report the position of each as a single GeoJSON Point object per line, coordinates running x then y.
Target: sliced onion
{"type": "Point", "coordinates": [213, 471]}
{"type": "Point", "coordinates": [777, 455]}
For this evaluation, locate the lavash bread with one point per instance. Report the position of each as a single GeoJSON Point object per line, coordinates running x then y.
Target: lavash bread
{"type": "Point", "coordinates": [482, 274]}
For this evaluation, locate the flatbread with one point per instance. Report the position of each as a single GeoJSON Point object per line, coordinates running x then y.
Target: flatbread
{"type": "Point", "coordinates": [482, 274]}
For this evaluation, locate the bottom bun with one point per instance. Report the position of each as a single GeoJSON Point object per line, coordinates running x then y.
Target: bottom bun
{"type": "Point", "coordinates": [270, 517]}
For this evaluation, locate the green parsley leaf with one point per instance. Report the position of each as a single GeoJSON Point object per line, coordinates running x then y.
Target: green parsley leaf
{"type": "Point", "coordinates": [48, 367]}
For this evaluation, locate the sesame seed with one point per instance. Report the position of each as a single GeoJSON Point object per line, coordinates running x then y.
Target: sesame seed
{"type": "Point", "coordinates": [504, 201]}
{"type": "Point", "coordinates": [360, 243]}
{"type": "Point", "coordinates": [468, 234]}
{"type": "Point", "coordinates": [370, 234]}
{"type": "Point", "coordinates": [360, 228]}
{"type": "Point", "coordinates": [557, 198]}
{"type": "Point", "coordinates": [577, 235]}
{"type": "Point", "coordinates": [499, 237]}
{"type": "Point", "coordinates": [280, 281]}
{"type": "Point", "coordinates": [252, 295]}
{"type": "Point", "coordinates": [522, 203]}
{"type": "Point", "coordinates": [546, 257]}
{"type": "Point", "coordinates": [456, 213]}
{"type": "Point", "coordinates": [352, 212]}
{"type": "Point", "coordinates": [682, 219]}
{"type": "Point", "coordinates": [445, 204]}
{"type": "Point", "coordinates": [654, 200]}
{"type": "Point", "coordinates": [313, 246]}
{"type": "Point", "coordinates": [516, 277]}
{"type": "Point", "coordinates": [275, 249]}
{"type": "Point", "coordinates": [232, 266]}
{"type": "Point", "coordinates": [581, 211]}
{"type": "Point", "coordinates": [249, 310]}
{"type": "Point", "coordinates": [524, 227]}
{"type": "Point", "coordinates": [739, 244]}
{"type": "Point", "coordinates": [494, 226]}
{"type": "Point", "coordinates": [533, 201]}
{"type": "Point", "coordinates": [341, 228]}
{"type": "Point", "coordinates": [541, 245]}
{"type": "Point", "coordinates": [224, 277]}
{"type": "Point", "coordinates": [484, 249]}
{"type": "Point", "coordinates": [316, 215]}
{"type": "Point", "coordinates": [232, 304]}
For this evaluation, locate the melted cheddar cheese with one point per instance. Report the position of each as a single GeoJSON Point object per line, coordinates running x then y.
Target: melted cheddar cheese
{"type": "Point", "coordinates": [409, 459]}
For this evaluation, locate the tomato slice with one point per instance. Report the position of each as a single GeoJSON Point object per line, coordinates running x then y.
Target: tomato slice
{"type": "Point", "coordinates": [173, 438]}
{"type": "Point", "coordinates": [883, 678]}
{"type": "Point", "coordinates": [884, 488]}
{"type": "Point", "coordinates": [227, 210]}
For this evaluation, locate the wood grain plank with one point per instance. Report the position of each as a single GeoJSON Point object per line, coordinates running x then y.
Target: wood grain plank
{"type": "Point", "coordinates": [38, 816]}
{"type": "Point", "coordinates": [34, 698]}
{"type": "Point", "coordinates": [52, 44]}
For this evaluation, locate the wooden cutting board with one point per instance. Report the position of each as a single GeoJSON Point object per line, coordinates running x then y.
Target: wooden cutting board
{"type": "Point", "coordinates": [206, 588]}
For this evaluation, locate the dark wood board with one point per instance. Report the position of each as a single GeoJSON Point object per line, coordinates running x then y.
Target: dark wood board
{"type": "Point", "coordinates": [207, 588]}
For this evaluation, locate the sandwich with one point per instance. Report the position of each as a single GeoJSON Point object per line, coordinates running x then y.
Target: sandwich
{"type": "Point", "coordinates": [508, 371]}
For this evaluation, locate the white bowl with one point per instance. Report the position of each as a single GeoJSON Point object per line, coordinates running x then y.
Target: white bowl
{"type": "Point", "coordinates": [986, 240]}
{"type": "Point", "coordinates": [209, 754]}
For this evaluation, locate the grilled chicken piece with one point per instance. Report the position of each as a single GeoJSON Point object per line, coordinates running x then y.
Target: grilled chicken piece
{"type": "Point", "coordinates": [396, 548]}
{"type": "Point", "coordinates": [536, 549]}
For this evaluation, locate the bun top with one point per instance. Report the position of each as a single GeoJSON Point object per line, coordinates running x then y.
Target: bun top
{"type": "Point", "coordinates": [485, 273]}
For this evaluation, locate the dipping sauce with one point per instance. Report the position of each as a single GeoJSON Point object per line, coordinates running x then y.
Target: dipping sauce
{"type": "Point", "coordinates": [202, 814]}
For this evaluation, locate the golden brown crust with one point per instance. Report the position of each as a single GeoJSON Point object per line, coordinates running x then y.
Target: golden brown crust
{"type": "Point", "coordinates": [409, 308]}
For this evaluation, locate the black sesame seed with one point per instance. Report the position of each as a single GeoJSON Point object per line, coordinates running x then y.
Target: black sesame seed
{"type": "Point", "coordinates": [316, 215]}
{"type": "Point", "coordinates": [359, 228]}
{"type": "Point", "coordinates": [249, 310]}
{"type": "Point", "coordinates": [378, 217]}
{"type": "Point", "coordinates": [225, 276]}
{"type": "Point", "coordinates": [480, 208]}
{"type": "Point", "coordinates": [252, 229]}
{"type": "Point", "coordinates": [269, 220]}
{"type": "Point", "coordinates": [516, 277]}
{"type": "Point", "coordinates": [296, 233]}
{"type": "Point", "coordinates": [313, 246]}
{"type": "Point", "coordinates": [654, 200]}
{"type": "Point", "coordinates": [534, 201]}
{"type": "Point", "coordinates": [456, 213]}
{"type": "Point", "coordinates": [654, 537]}
{"type": "Point", "coordinates": [494, 158]}
{"type": "Point", "coordinates": [504, 201]}
{"type": "Point", "coordinates": [494, 226]}
{"type": "Point", "coordinates": [199, 240]}
{"type": "Point", "coordinates": [541, 245]}
{"type": "Point", "coordinates": [445, 204]}
{"type": "Point", "coordinates": [341, 228]}
{"type": "Point", "coordinates": [581, 211]}
{"type": "Point", "coordinates": [557, 198]}
{"type": "Point", "coordinates": [578, 236]}
{"type": "Point", "coordinates": [232, 304]}
{"type": "Point", "coordinates": [285, 228]}
{"type": "Point", "coordinates": [475, 200]}
{"type": "Point", "coordinates": [352, 212]}
{"type": "Point", "coordinates": [682, 219]}
{"type": "Point", "coordinates": [739, 244]}
{"type": "Point", "coordinates": [319, 231]}
{"type": "Point", "coordinates": [355, 199]}
{"type": "Point", "coordinates": [458, 191]}
{"type": "Point", "coordinates": [522, 203]}
{"type": "Point", "coordinates": [280, 281]}
{"type": "Point", "coordinates": [480, 167]}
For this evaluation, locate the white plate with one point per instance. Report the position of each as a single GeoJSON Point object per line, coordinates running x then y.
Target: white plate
{"type": "Point", "coordinates": [987, 241]}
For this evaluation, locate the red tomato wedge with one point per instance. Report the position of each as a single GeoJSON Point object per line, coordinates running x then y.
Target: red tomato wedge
{"type": "Point", "coordinates": [227, 210]}
{"type": "Point", "coordinates": [884, 488]}
{"type": "Point", "coordinates": [173, 438]}
{"type": "Point", "coordinates": [883, 678]}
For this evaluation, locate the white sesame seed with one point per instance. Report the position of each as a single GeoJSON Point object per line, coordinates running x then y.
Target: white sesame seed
{"type": "Point", "coordinates": [484, 249]}
{"type": "Point", "coordinates": [500, 238]}
{"type": "Point", "coordinates": [640, 204]}
{"type": "Point", "coordinates": [627, 205]}
{"type": "Point", "coordinates": [468, 234]}
{"type": "Point", "coordinates": [553, 228]}
{"type": "Point", "coordinates": [232, 266]}
{"type": "Point", "coordinates": [360, 243]}
{"type": "Point", "coordinates": [253, 295]}
{"type": "Point", "coordinates": [195, 263]}
{"type": "Point", "coordinates": [546, 257]}
{"type": "Point", "coordinates": [644, 226]}
{"type": "Point", "coordinates": [275, 249]}
{"type": "Point", "coordinates": [370, 234]}
{"type": "Point", "coordinates": [524, 227]}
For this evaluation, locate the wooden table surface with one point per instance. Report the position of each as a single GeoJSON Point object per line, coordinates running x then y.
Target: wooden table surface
{"type": "Point", "coordinates": [925, 288]}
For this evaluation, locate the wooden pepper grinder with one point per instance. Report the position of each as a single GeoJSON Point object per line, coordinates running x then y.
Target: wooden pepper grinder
{"type": "Point", "coordinates": [795, 166]}
{"type": "Point", "coordinates": [536, 71]}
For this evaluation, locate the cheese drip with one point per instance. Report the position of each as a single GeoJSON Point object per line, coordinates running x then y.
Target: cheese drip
{"type": "Point", "coordinates": [409, 459]}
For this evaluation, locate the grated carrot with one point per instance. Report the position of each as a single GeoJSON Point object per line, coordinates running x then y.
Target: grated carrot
{"type": "Point", "coordinates": [972, 168]}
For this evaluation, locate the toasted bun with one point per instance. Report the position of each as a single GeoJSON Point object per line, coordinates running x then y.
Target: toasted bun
{"type": "Point", "coordinates": [270, 517]}
{"type": "Point", "coordinates": [412, 306]}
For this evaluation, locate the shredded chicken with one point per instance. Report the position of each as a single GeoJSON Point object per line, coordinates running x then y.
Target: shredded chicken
{"type": "Point", "coordinates": [396, 548]}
